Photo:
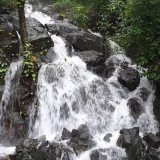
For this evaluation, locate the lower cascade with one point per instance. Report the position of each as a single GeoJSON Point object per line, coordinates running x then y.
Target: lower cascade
{"type": "Point", "coordinates": [78, 115]}
{"type": "Point", "coordinates": [71, 97]}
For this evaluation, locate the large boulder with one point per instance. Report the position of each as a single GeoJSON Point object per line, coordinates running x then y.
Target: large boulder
{"type": "Point", "coordinates": [33, 149]}
{"type": "Point", "coordinates": [66, 134]}
{"type": "Point", "coordinates": [9, 43]}
{"type": "Point", "coordinates": [104, 71]}
{"type": "Point", "coordinates": [81, 139]}
{"type": "Point", "coordinates": [135, 107]}
{"type": "Point", "coordinates": [136, 148]}
{"type": "Point", "coordinates": [97, 155]}
{"type": "Point", "coordinates": [131, 141]}
{"type": "Point", "coordinates": [152, 140]}
{"type": "Point", "coordinates": [37, 34]}
{"type": "Point", "coordinates": [106, 154]}
{"type": "Point", "coordinates": [80, 39]}
{"type": "Point", "coordinates": [83, 128]}
{"type": "Point", "coordinates": [107, 137]}
{"type": "Point", "coordinates": [130, 78]}
{"type": "Point", "coordinates": [92, 58]}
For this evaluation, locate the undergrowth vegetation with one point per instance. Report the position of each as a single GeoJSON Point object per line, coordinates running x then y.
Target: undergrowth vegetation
{"type": "Point", "coordinates": [10, 4]}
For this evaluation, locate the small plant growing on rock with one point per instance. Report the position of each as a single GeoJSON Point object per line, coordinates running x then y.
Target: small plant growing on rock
{"type": "Point", "coordinates": [3, 69]}
{"type": "Point", "coordinates": [30, 68]}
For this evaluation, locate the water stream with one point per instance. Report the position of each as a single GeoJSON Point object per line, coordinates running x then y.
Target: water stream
{"type": "Point", "coordinates": [69, 95]}
{"type": "Point", "coordinates": [11, 79]}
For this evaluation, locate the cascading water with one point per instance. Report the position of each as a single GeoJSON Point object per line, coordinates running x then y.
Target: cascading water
{"type": "Point", "coordinates": [11, 81]}
{"type": "Point", "coordinates": [10, 84]}
{"type": "Point", "coordinates": [69, 95]}
{"type": "Point", "coordinates": [10, 78]}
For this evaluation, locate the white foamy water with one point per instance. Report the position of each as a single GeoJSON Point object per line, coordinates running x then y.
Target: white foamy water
{"type": "Point", "coordinates": [10, 82]}
{"type": "Point", "coordinates": [6, 150]}
{"type": "Point", "coordinates": [11, 75]}
{"type": "Point", "coordinates": [115, 48]}
{"type": "Point", "coordinates": [41, 17]}
{"type": "Point", "coordinates": [69, 95]}
{"type": "Point", "coordinates": [95, 33]}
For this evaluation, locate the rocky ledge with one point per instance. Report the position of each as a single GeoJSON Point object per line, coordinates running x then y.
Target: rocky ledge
{"type": "Point", "coordinates": [137, 148]}
{"type": "Point", "coordinates": [80, 140]}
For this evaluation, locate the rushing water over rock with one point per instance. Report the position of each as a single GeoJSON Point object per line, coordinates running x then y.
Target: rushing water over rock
{"type": "Point", "coordinates": [68, 95]}
{"type": "Point", "coordinates": [11, 80]}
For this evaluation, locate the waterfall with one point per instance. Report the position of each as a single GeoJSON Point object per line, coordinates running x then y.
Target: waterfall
{"type": "Point", "coordinates": [69, 95]}
{"type": "Point", "coordinates": [10, 84]}
{"type": "Point", "coordinates": [11, 80]}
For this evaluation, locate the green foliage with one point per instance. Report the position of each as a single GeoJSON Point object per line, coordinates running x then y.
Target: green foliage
{"type": "Point", "coordinates": [30, 66]}
{"type": "Point", "coordinates": [3, 2]}
{"type": "Point", "coordinates": [110, 15]}
{"type": "Point", "coordinates": [82, 15]}
{"type": "Point", "coordinates": [141, 27]}
{"type": "Point", "coordinates": [74, 9]}
{"type": "Point", "coordinates": [8, 3]}
{"type": "Point", "coordinates": [3, 69]}
{"type": "Point", "coordinates": [63, 6]}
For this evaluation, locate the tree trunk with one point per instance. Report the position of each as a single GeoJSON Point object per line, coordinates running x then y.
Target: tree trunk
{"type": "Point", "coordinates": [22, 24]}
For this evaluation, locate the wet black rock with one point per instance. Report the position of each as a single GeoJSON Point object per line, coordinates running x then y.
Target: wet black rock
{"type": "Point", "coordinates": [152, 140]}
{"type": "Point", "coordinates": [131, 141]}
{"type": "Point", "coordinates": [83, 128]}
{"type": "Point", "coordinates": [130, 78]}
{"type": "Point", "coordinates": [32, 149]}
{"type": "Point", "coordinates": [97, 155]}
{"type": "Point", "coordinates": [85, 136]}
{"type": "Point", "coordinates": [136, 148]}
{"type": "Point", "coordinates": [106, 154]}
{"type": "Point", "coordinates": [9, 43]}
{"type": "Point", "coordinates": [158, 134]}
{"type": "Point", "coordinates": [103, 70]}
{"type": "Point", "coordinates": [124, 65]}
{"type": "Point", "coordinates": [135, 107]}
{"type": "Point", "coordinates": [107, 137]}
{"type": "Point", "coordinates": [4, 10]}
{"type": "Point", "coordinates": [66, 134]}
{"type": "Point", "coordinates": [37, 34]}
{"type": "Point", "coordinates": [81, 140]}
{"type": "Point", "coordinates": [75, 133]}
{"type": "Point", "coordinates": [92, 58]}
{"type": "Point", "coordinates": [80, 39]}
